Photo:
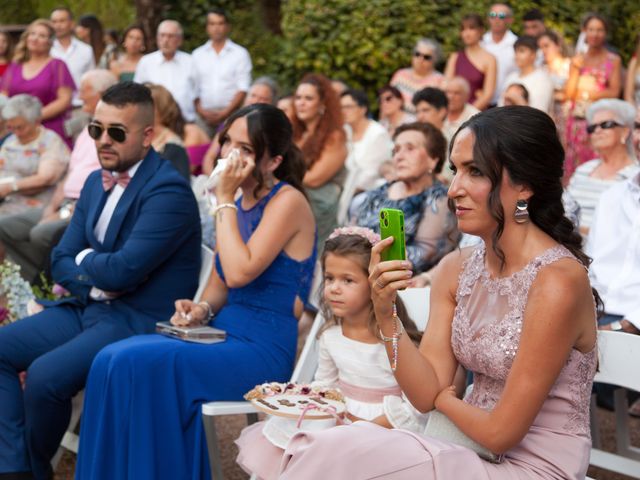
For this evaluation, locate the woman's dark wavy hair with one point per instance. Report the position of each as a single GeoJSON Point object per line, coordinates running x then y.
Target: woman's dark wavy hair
{"type": "Point", "coordinates": [270, 132]}
{"type": "Point", "coordinates": [524, 142]}
{"type": "Point", "coordinates": [359, 248]}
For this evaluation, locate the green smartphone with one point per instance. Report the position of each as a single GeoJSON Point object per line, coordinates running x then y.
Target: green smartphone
{"type": "Point", "coordinates": [392, 225]}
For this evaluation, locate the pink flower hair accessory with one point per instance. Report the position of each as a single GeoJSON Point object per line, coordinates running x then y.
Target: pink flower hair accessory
{"type": "Point", "coordinates": [364, 232]}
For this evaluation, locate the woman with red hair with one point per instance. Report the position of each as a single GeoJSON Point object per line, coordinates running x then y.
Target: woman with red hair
{"type": "Point", "coordinates": [317, 131]}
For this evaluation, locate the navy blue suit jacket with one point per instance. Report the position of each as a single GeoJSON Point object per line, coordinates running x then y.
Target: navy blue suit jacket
{"type": "Point", "coordinates": [151, 250]}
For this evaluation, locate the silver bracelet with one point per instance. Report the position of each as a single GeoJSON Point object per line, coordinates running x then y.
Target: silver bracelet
{"type": "Point", "coordinates": [208, 309]}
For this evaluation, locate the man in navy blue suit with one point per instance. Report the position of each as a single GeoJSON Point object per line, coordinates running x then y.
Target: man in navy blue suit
{"type": "Point", "coordinates": [132, 248]}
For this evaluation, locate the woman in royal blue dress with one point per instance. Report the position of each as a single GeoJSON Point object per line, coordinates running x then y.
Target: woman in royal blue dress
{"type": "Point", "coordinates": [141, 415]}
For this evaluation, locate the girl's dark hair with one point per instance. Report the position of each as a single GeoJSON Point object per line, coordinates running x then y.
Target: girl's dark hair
{"type": "Point", "coordinates": [523, 141]}
{"type": "Point", "coordinates": [270, 132]}
{"type": "Point", "coordinates": [472, 20]}
{"type": "Point", "coordinates": [145, 43]}
{"type": "Point", "coordinates": [358, 96]}
{"type": "Point", "coordinates": [358, 247]}
{"type": "Point", "coordinates": [96, 34]}
{"type": "Point", "coordinates": [435, 143]}
{"type": "Point", "coordinates": [594, 15]}
{"type": "Point", "coordinates": [330, 122]}
{"type": "Point", "coordinates": [9, 53]}
{"type": "Point", "coordinates": [392, 90]}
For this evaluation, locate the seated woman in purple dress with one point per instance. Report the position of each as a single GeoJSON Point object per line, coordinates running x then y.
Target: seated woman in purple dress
{"type": "Point", "coordinates": [36, 72]}
{"type": "Point", "coordinates": [517, 310]}
{"type": "Point", "coordinates": [474, 63]}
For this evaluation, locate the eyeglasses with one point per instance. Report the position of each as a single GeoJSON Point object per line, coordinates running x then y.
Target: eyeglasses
{"type": "Point", "coordinates": [425, 56]}
{"type": "Point", "coordinates": [606, 125]}
{"type": "Point", "coordinates": [500, 15]}
{"type": "Point", "coordinates": [117, 134]}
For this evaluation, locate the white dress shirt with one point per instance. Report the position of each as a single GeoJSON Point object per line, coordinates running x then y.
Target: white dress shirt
{"type": "Point", "coordinates": [505, 58]}
{"type": "Point", "coordinates": [614, 245]}
{"type": "Point", "coordinates": [176, 75]}
{"type": "Point", "coordinates": [79, 59]}
{"type": "Point", "coordinates": [219, 76]}
{"type": "Point", "coordinates": [100, 230]}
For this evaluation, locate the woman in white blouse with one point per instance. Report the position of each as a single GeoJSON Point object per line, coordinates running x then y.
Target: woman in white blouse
{"type": "Point", "coordinates": [610, 124]}
{"type": "Point", "coordinates": [369, 145]}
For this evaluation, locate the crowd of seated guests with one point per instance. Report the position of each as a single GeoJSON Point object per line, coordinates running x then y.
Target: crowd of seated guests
{"type": "Point", "coordinates": [354, 162]}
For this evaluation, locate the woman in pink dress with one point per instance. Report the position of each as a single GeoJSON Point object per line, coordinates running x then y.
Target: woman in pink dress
{"type": "Point", "coordinates": [474, 63]}
{"type": "Point", "coordinates": [35, 72]}
{"type": "Point", "coordinates": [517, 310]}
{"type": "Point", "coordinates": [593, 75]}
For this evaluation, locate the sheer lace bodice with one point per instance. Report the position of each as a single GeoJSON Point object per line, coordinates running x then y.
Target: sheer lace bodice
{"type": "Point", "coordinates": [486, 334]}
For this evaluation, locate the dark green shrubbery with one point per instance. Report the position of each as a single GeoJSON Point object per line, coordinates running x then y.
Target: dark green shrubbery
{"type": "Point", "coordinates": [361, 42]}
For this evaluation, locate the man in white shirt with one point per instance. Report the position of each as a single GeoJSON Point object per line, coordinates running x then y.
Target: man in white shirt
{"type": "Point", "coordinates": [170, 67]}
{"type": "Point", "coordinates": [460, 110]}
{"type": "Point", "coordinates": [76, 54]}
{"type": "Point", "coordinates": [535, 79]}
{"type": "Point", "coordinates": [499, 42]}
{"type": "Point", "coordinates": [614, 246]}
{"type": "Point", "coordinates": [222, 71]}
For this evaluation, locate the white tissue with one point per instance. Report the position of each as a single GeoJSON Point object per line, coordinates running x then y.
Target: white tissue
{"type": "Point", "coordinates": [220, 166]}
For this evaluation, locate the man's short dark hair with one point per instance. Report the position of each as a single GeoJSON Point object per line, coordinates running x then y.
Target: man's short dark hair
{"type": "Point", "coordinates": [533, 15]}
{"type": "Point", "coordinates": [220, 12]}
{"type": "Point", "coordinates": [523, 90]}
{"type": "Point", "coordinates": [526, 41]}
{"type": "Point", "coordinates": [358, 96]}
{"type": "Point", "coordinates": [433, 96]}
{"type": "Point", "coordinates": [130, 93]}
{"type": "Point", "coordinates": [61, 8]}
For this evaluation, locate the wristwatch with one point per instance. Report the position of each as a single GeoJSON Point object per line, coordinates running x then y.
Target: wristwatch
{"type": "Point", "coordinates": [616, 326]}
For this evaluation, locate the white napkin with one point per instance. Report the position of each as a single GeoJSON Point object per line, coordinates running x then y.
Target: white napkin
{"type": "Point", "coordinates": [212, 182]}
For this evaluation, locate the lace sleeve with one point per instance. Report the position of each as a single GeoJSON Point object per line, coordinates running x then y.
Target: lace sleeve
{"type": "Point", "coordinates": [436, 236]}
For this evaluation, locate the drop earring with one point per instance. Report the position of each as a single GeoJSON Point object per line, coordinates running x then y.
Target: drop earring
{"type": "Point", "coordinates": [521, 215]}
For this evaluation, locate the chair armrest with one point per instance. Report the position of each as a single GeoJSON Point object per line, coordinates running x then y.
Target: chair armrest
{"type": "Point", "coordinates": [227, 408]}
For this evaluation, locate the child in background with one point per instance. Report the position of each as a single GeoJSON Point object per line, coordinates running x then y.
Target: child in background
{"type": "Point", "coordinates": [351, 355]}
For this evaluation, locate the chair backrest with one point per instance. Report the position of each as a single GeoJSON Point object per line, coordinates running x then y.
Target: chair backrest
{"type": "Point", "coordinates": [308, 362]}
{"type": "Point", "coordinates": [416, 300]}
{"type": "Point", "coordinates": [205, 270]}
{"type": "Point", "coordinates": [619, 355]}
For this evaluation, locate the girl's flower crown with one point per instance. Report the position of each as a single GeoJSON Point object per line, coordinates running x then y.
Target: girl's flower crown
{"type": "Point", "coordinates": [364, 232]}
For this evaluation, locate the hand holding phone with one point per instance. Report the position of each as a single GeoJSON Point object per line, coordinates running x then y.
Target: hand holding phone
{"type": "Point", "coordinates": [392, 225]}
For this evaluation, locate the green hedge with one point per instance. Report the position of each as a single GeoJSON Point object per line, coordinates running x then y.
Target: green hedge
{"type": "Point", "coordinates": [359, 42]}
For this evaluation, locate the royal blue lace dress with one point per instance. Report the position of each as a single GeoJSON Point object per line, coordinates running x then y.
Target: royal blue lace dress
{"type": "Point", "coordinates": [143, 398]}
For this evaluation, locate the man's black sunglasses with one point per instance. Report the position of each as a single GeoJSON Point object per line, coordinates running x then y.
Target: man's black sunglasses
{"type": "Point", "coordinates": [117, 134]}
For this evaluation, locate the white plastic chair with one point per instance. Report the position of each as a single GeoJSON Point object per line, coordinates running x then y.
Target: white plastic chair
{"type": "Point", "coordinates": [71, 438]}
{"type": "Point", "coordinates": [416, 301]}
{"type": "Point", "coordinates": [303, 373]}
{"type": "Point", "coordinates": [619, 355]}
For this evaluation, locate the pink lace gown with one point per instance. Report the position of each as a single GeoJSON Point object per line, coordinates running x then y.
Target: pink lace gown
{"type": "Point", "coordinates": [485, 337]}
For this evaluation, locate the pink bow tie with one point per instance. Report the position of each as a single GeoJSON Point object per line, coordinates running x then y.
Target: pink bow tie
{"type": "Point", "coordinates": [109, 179]}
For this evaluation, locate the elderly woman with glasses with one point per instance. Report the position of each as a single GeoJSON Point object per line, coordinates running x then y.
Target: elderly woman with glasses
{"type": "Point", "coordinates": [609, 126]}
{"type": "Point", "coordinates": [32, 158]}
{"type": "Point", "coordinates": [390, 109]}
{"type": "Point", "coordinates": [421, 74]}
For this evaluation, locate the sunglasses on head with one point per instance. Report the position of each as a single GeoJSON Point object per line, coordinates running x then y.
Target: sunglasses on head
{"type": "Point", "coordinates": [425, 56]}
{"type": "Point", "coordinates": [606, 125]}
{"type": "Point", "coordinates": [500, 15]}
{"type": "Point", "coordinates": [117, 134]}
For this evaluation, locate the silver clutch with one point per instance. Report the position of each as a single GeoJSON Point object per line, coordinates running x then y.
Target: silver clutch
{"type": "Point", "coordinates": [439, 426]}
